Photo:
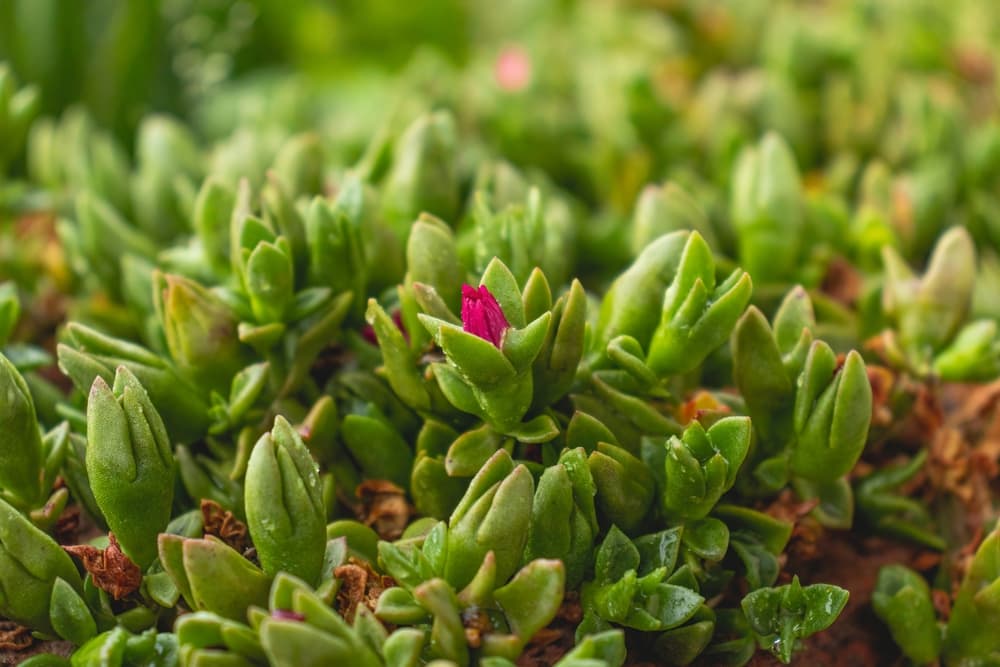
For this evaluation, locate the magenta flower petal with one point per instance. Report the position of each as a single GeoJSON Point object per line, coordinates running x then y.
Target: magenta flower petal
{"type": "Point", "coordinates": [368, 333]}
{"type": "Point", "coordinates": [481, 314]}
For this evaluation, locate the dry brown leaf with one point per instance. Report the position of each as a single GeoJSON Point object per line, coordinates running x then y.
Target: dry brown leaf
{"type": "Point", "coordinates": [111, 570]}
{"type": "Point", "coordinates": [477, 623]}
{"type": "Point", "coordinates": [882, 381]}
{"type": "Point", "coordinates": [359, 584]}
{"type": "Point", "coordinates": [221, 523]}
{"type": "Point", "coordinates": [14, 636]}
{"type": "Point", "coordinates": [842, 282]}
{"type": "Point", "coordinates": [67, 525]}
{"type": "Point", "coordinates": [383, 507]}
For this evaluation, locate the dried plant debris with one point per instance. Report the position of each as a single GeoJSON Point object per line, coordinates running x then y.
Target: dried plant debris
{"type": "Point", "coordinates": [384, 508]}
{"type": "Point", "coordinates": [223, 524]}
{"type": "Point", "coordinates": [14, 637]}
{"type": "Point", "coordinates": [109, 568]}
{"type": "Point", "coordinates": [359, 585]}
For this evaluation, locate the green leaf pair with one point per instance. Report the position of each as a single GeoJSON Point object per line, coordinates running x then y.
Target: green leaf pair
{"type": "Point", "coordinates": [563, 516]}
{"type": "Point", "coordinates": [701, 465]}
{"type": "Point", "coordinates": [21, 451]}
{"type": "Point", "coordinates": [811, 412]}
{"type": "Point", "coordinates": [337, 248]}
{"type": "Point", "coordinates": [130, 464]}
{"type": "Point", "coordinates": [976, 607]}
{"type": "Point", "coordinates": [200, 330]}
{"type": "Point", "coordinates": [212, 576]}
{"type": "Point", "coordinates": [523, 605]}
{"type": "Point", "coordinates": [781, 616]}
{"type": "Point", "coordinates": [529, 602]}
{"type": "Point", "coordinates": [284, 505]}
{"type": "Point", "coordinates": [930, 331]}
{"type": "Point", "coordinates": [118, 648]}
{"type": "Point", "coordinates": [533, 233]}
{"type": "Point", "coordinates": [665, 209]}
{"type": "Point", "coordinates": [423, 176]}
{"type": "Point", "coordinates": [630, 589]}
{"type": "Point", "coordinates": [902, 599]}
{"type": "Point", "coordinates": [698, 316]}
{"type": "Point", "coordinates": [766, 211]}
{"type": "Point", "coordinates": [39, 584]}
{"type": "Point", "coordinates": [494, 515]}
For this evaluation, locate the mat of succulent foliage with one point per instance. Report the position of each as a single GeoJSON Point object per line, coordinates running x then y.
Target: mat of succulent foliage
{"type": "Point", "coordinates": [678, 349]}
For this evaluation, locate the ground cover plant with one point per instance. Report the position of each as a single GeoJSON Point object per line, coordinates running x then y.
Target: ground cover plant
{"type": "Point", "coordinates": [573, 333]}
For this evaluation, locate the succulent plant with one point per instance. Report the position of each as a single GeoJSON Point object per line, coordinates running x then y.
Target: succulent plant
{"type": "Point", "coordinates": [558, 347]}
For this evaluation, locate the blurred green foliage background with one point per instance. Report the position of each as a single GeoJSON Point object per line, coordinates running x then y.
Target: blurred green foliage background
{"type": "Point", "coordinates": [621, 93]}
{"type": "Point", "coordinates": [125, 58]}
{"type": "Point", "coordinates": [217, 62]}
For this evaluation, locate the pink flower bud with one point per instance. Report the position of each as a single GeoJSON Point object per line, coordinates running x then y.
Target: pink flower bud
{"type": "Point", "coordinates": [481, 314]}
{"type": "Point", "coordinates": [512, 69]}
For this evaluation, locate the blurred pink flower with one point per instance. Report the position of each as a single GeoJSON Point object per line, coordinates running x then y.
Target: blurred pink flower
{"type": "Point", "coordinates": [513, 69]}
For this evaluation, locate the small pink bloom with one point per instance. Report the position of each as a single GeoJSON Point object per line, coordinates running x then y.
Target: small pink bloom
{"type": "Point", "coordinates": [481, 314]}
{"type": "Point", "coordinates": [512, 69]}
